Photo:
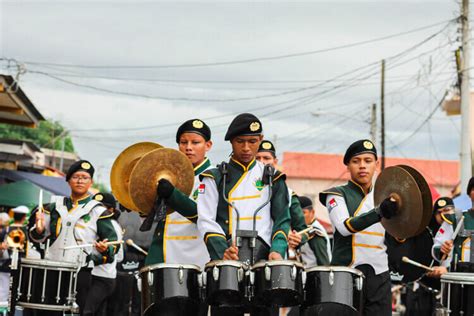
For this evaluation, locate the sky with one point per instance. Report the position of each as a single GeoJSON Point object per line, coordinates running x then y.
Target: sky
{"type": "Point", "coordinates": [119, 72]}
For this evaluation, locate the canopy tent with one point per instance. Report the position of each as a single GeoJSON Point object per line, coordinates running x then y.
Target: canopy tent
{"type": "Point", "coordinates": [55, 185]}
{"type": "Point", "coordinates": [22, 193]}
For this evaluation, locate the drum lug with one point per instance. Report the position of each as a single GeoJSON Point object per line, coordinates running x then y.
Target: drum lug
{"type": "Point", "coordinates": [268, 273]}
{"type": "Point", "coordinates": [139, 285]}
{"type": "Point", "coordinates": [180, 275]}
{"type": "Point", "coordinates": [331, 278]}
{"type": "Point", "coordinates": [204, 278]}
{"type": "Point", "coordinates": [215, 273]}
{"type": "Point", "coordinates": [240, 274]}
{"type": "Point", "coordinates": [303, 278]}
{"type": "Point", "coordinates": [150, 278]}
{"type": "Point", "coordinates": [359, 283]}
{"type": "Point", "coordinates": [293, 273]}
{"type": "Point", "coordinates": [252, 277]}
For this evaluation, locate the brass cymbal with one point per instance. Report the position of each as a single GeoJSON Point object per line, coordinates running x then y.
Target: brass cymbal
{"type": "Point", "coordinates": [160, 163]}
{"type": "Point", "coordinates": [122, 168]}
{"type": "Point", "coordinates": [425, 195]}
{"type": "Point", "coordinates": [398, 183]}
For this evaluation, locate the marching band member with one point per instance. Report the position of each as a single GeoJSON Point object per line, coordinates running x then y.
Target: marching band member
{"type": "Point", "coordinates": [359, 235]}
{"type": "Point", "coordinates": [459, 250]}
{"type": "Point", "coordinates": [267, 155]}
{"type": "Point", "coordinates": [176, 240]}
{"type": "Point", "coordinates": [317, 251]}
{"type": "Point", "coordinates": [103, 276]}
{"type": "Point", "coordinates": [77, 220]}
{"type": "Point", "coordinates": [245, 188]}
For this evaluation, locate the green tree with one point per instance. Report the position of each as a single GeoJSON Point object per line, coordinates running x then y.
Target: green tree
{"type": "Point", "coordinates": [48, 134]}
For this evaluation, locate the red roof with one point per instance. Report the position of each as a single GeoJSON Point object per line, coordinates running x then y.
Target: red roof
{"type": "Point", "coordinates": [330, 167]}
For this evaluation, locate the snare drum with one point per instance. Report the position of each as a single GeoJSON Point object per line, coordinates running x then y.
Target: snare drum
{"type": "Point", "coordinates": [457, 291]}
{"type": "Point", "coordinates": [277, 283]}
{"type": "Point", "coordinates": [170, 289]}
{"type": "Point", "coordinates": [334, 290]}
{"type": "Point", "coordinates": [47, 285]}
{"type": "Point", "coordinates": [225, 283]}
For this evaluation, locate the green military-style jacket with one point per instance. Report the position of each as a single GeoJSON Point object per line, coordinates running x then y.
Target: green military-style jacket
{"type": "Point", "coordinates": [354, 196]}
{"type": "Point", "coordinates": [184, 205]}
{"type": "Point", "coordinates": [279, 209]}
{"type": "Point", "coordinates": [297, 217]}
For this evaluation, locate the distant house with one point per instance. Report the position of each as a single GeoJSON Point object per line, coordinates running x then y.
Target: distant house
{"type": "Point", "coordinates": [310, 173]}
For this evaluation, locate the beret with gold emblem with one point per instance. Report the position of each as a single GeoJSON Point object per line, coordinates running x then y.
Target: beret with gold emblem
{"type": "Point", "coordinates": [81, 165]}
{"type": "Point", "coordinates": [267, 146]}
{"type": "Point", "coordinates": [443, 202]}
{"type": "Point", "coordinates": [363, 146]}
{"type": "Point", "coordinates": [244, 124]}
{"type": "Point", "coordinates": [105, 198]}
{"type": "Point", "coordinates": [196, 126]}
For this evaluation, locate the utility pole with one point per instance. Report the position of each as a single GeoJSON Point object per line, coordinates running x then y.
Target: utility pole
{"type": "Point", "coordinates": [382, 114]}
{"type": "Point", "coordinates": [373, 124]}
{"type": "Point", "coordinates": [466, 137]}
{"type": "Point", "coordinates": [61, 163]}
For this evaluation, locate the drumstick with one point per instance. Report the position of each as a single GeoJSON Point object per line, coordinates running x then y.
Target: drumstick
{"type": "Point", "coordinates": [417, 264]}
{"type": "Point", "coordinates": [40, 201]}
{"type": "Point", "coordinates": [109, 243]}
{"type": "Point", "coordinates": [132, 244]}
{"type": "Point", "coordinates": [455, 234]}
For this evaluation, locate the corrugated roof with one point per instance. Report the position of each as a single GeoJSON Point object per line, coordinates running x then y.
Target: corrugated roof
{"type": "Point", "coordinates": [330, 167]}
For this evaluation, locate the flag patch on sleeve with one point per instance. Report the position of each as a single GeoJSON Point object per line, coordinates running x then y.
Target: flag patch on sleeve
{"type": "Point", "coordinates": [332, 203]}
{"type": "Point", "coordinates": [441, 231]}
{"type": "Point", "coordinates": [202, 188]}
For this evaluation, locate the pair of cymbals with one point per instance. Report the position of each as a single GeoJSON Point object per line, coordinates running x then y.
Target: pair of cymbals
{"type": "Point", "coordinates": [412, 193]}
{"type": "Point", "coordinates": [137, 170]}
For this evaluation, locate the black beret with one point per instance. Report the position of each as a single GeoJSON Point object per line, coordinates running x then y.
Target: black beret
{"type": "Point", "coordinates": [267, 146]}
{"type": "Point", "coordinates": [443, 202]}
{"type": "Point", "coordinates": [359, 147]}
{"type": "Point", "coordinates": [105, 198]}
{"type": "Point", "coordinates": [81, 165]}
{"type": "Point", "coordinates": [305, 202]}
{"type": "Point", "coordinates": [244, 124]}
{"type": "Point", "coordinates": [194, 126]}
{"type": "Point", "coordinates": [470, 186]}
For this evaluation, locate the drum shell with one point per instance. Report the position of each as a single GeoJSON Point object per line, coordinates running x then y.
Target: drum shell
{"type": "Point", "coordinates": [170, 287]}
{"type": "Point", "coordinates": [282, 287]}
{"type": "Point", "coordinates": [335, 285]}
{"type": "Point", "coordinates": [46, 285]}
{"type": "Point", "coordinates": [229, 287]}
{"type": "Point", "coordinates": [457, 290]}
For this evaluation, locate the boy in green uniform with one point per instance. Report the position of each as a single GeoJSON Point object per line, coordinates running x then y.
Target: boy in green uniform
{"type": "Point", "coordinates": [359, 235]}
{"type": "Point", "coordinates": [176, 239]}
{"type": "Point", "coordinates": [242, 183]}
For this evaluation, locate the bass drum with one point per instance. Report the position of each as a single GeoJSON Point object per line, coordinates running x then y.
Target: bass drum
{"type": "Point", "coordinates": [416, 248]}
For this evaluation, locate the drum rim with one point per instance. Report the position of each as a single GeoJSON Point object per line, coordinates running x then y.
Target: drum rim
{"type": "Point", "coordinates": [458, 277]}
{"type": "Point", "coordinates": [28, 262]}
{"type": "Point", "coordinates": [158, 266]}
{"type": "Point", "coordinates": [272, 263]}
{"type": "Point", "coordinates": [335, 269]}
{"type": "Point", "coordinates": [223, 263]}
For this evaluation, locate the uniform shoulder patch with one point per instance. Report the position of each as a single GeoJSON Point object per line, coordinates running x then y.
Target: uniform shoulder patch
{"type": "Point", "coordinates": [202, 188]}
{"type": "Point", "coordinates": [332, 204]}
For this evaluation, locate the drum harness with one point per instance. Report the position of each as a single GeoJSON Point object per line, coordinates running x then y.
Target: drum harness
{"type": "Point", "coordinates": [246, 240]}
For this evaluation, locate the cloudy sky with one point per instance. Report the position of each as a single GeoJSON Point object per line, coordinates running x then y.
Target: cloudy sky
{"type": "Point", "coordinates": [119, 72]}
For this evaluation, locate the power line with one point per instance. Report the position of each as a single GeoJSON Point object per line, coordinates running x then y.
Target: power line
{"type": "Point", "coordinates": [250, 60]}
